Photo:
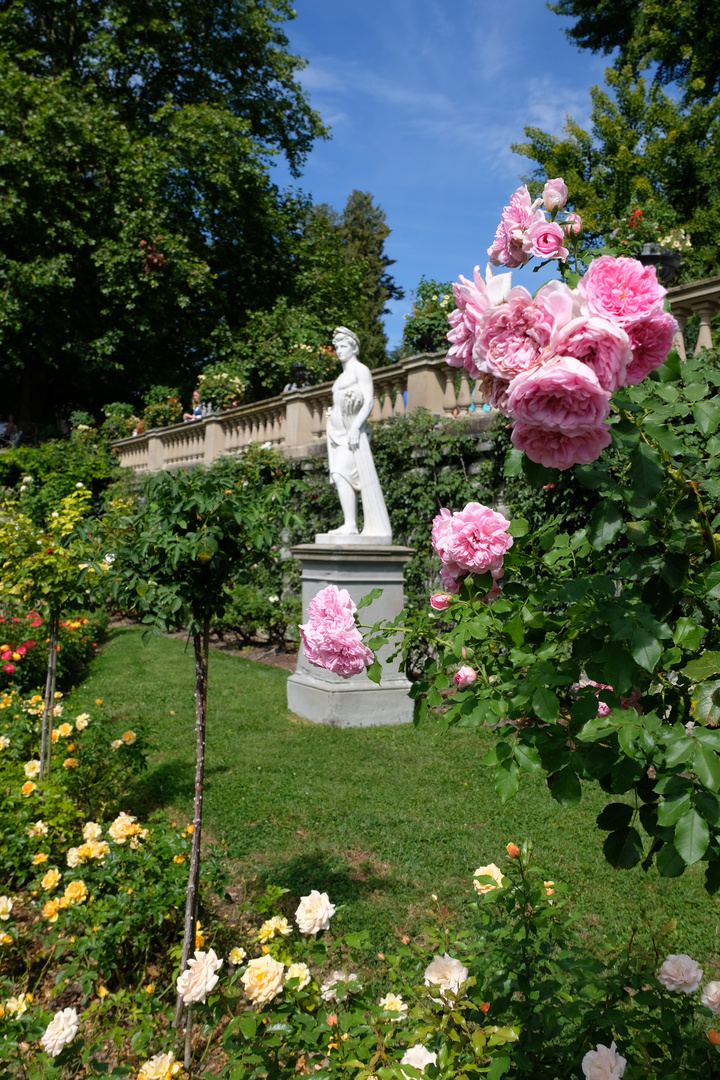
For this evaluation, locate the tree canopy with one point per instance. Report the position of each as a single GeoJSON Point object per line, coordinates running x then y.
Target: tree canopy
{"type": "Point", "coordinates": [681, 37]}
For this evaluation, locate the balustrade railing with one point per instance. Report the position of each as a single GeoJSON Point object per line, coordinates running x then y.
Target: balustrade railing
{"type": "Point", "coordinates": [295, 421]}
{"type": "Point", "coordinates": [695, 298]}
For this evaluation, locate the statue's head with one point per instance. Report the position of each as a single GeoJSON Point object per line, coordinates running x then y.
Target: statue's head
{"type": "Point", "coordinates": [341, 334]}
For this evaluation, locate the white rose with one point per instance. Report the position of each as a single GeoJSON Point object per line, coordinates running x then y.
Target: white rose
{"type": "Point", "coordinates": [73, 857]}
{"type": "Point", "coordinates": [680, 972]}
{"type": "Point", "coordinates": [329, 989]}
{"type": "Point", "coordinates": [91, 830]}
{"type": "Point", "coordinates": [604, 1063]}
{"type": "Point", "coordinates": [314, 912]}
{"type": "Point", "coordinates": [263, 979]}
{"type": "Point", "coordinates": [711, 997]}
{"type": "Point", "coordinates": [6, 906]}
{"type": "Point", "coordinates": [418, 1057]}
{"type": "Point", "coordinates": [61, 1030]}
{"type": "Point", "coordinates": [301, 972]}
{"type": "Point", "coordinates": [38, 829]}
{"type": "Point", "coordinates": [4, 742]}
{"type": "Point", "coordinates": [32, 769]}
{"type": "Point", "coordinates": [447, 973]}
{"type": "Point", "coordinates": [199, 977]}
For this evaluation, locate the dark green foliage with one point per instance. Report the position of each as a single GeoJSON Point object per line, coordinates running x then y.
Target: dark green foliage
{"type": "Point", "coordinates": [426, 326]}
{"type": "Point", "coordinates": [681, 38]}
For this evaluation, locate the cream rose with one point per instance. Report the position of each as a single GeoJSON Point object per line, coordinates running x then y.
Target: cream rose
{"type": "Point", "coordinates": [393, 1003]}
{"type": "Point", "coordinates": [301, 972]}
{"type": "Point", "coordinates": [418, 1057]}
{"type": "Point", "coordinates": [73, 857]}
{"type": "Point", "coordinates": [447, 973]}
{"type": "Point", "coordinates": [50, 880]}
{"type": "Point", "coordinates": [6, 906]}
{"type": "Point", "coordinates": [329, 989]}
{"type": "Point", "coordinates": [91, 831]}
{"type": "Point", "coordinates": [82, 721]}
{"type": "Point", "coordinates": [160, 1067]}
{"type": "Point", "coordinates": [680, 972]}
{"type": "Point", "coordinates": [199, 977]}
{"type": "Point", "coordinates": [32, 769]}
{"type": "Point", "coordinates": [711, 997]}
{"type": "Point", "coordinates": [61, 1030]}
{"type": "Point", "coordinates": [604, 1063]}
{"type": "Point", "coordinates": [491, 870]}
{"type": "Point", "coordinates": [237, 955]}
{"type": "Point", "coordinates": [263, 979]}
{"type": "Point", "coordinates": [123, 827]}
{"type": "Point", "coordinates": [314, 912]}
{"type": "Point", "coordinates": [38, 829]}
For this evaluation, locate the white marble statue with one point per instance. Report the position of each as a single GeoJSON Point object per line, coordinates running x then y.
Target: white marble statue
{"type": "Point", "coordinates": [350, 462]}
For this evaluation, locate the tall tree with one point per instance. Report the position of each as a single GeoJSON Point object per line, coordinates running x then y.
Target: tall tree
{"type": "Point", "coordinates": [138, 221]}
{"type": "Point", "coordinates": [643, 150]}
{"type": "Point", "coordinates": [364, 230]}
{"type": "Point", "coordinates": [681, 37]}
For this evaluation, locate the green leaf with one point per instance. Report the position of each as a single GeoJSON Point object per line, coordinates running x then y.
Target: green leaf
{"type": "Point", "coordinates": [615, 816]}
{"type": "Point", "coordinates": [366, 600]}
{"type": "Point", "coordinates": [645, 648]}
{"type": "Point", "coordinates": [692, 837]}
{"type": "Point", "coordinates": [703, 668]}
{"type": "Point", "coordinates": [248, 1025]}
{"type": "Point", "coordinates": [565, 787]}
{"type": "Point", "coordinates": [519, 527]}
{"type": "Point", "coordinates": [706, 696]}
{"type": "Point", "coordinates": [707, 416]}
{"type": "Point", "coordinates": [688, 633]}
{"type": "Point", "coordinates": [513, 462]}
{"type": "Point", "coordinates": [498, 1067]}
{"type": "Point", "coordinates": [515, 630]}
{"type": "Point", "coordinates": [646, 472]}
{"type": "Point", "coordinates": [527, 757]}
{"type": "Point", "coordinates": [374, 672]}
{"type": "Point", "coordinates": [605, 525]}
{"type": "Point", "coordinates": [712, 877]}
{"type": "Point", "coordinates": [672, 809]}
{"type": "Point", "coordinates": [507, 779]}
{"type": "Point", "coordinates": [623, 848]}
{"type": "Point", "coordinates": [706, 765]}
{"type": "Point", "coordinates": [546, 704]}
{"type": "Point", "coordinates": [669, 862]}
{"type": "Point", "coordinates": [598, 728]}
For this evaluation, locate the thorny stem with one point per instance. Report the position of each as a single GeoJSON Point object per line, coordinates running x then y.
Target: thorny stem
{"type": "Point", "coordinates": [45, 738]}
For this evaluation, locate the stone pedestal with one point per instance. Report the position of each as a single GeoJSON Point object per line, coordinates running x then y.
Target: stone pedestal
{"type": "Point", "coordinates": [321, 695]}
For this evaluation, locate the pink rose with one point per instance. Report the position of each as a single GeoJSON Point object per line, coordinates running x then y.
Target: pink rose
{"type": "Point", "coordinates": [340, 651]}
{"type": "Point", "coordinates": [547, 240]}
{"type": "Point", "coordinates": [680, 972]}
{"type": "Point", "coordinates": [555, 194]}
{"type": "Point", "coordinates": [440, 600]}
{"type": "Point", "coordinates": [620, 290]}
{"type": "Point", "coordinates": [605, 348]}
{"type": "Point", "coordinates": [332, 609]}
{"type": "Point", "coordinates": [494, 391]}
{"type": "Point", "coordinates": [8, 668]}
{"type": "Point", "coordinates": [464, 676]}
{"type": "Point", "coordinates": [510, 247]}
{"type": "Point", "coordinates": [650, 340]}
{"type": "Point", "coordinates": [474, 540]}
{"type": "Point", "coordinates": [465, 319]}
{"type": "Point", "coordinates": [555, 449]}
{"type": "Point", "coordinates": [514, 336]}
{"type": "Point", "coordinates": [450, 580]}
{"type": "Point", "coordinates": [573, 225]}
{"type": "Point", "coordinates": [562, 395]}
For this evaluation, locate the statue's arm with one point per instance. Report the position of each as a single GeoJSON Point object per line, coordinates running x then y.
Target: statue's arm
{"type": "Point", "coordinates": [365, 387]}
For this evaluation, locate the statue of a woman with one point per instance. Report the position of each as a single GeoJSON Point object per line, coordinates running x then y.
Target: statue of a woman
{"type": "Point", "coordinates": [352, 468]}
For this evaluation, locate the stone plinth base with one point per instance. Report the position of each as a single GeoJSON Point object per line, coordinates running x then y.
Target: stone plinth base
{"type": "Point", "coordinates": [327, 698]}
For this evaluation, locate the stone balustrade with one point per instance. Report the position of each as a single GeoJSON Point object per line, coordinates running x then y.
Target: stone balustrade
{"type": "Point", "coordinates": [695, 298]}
{"type": "Point", "coordinates": [295, 421]}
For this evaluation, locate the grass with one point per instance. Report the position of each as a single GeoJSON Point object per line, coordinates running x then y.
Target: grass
{"type": "Point", "coordinates": [380, 818]}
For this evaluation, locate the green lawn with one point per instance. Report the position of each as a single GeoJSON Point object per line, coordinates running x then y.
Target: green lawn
{"type": "Point", "coordinates": [380, 818]}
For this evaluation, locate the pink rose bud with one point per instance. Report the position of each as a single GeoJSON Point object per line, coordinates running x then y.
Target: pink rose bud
{"type": "Point", "coordinates": [573, 225]}
{"type": "Point", "coordinates": [555, 194]}
{"type": "Point", "coordinates": [466, 676]}
{"type": "Point", "coordinates": [440, 600]}
{"type": "Point", "coordinates": [546, 240]}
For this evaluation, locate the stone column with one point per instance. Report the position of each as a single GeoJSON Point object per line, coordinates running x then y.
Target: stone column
{"type": "Point", "coordinates": [327, 698]}
{"type": "Point", "coordinates": [156, 452]}
{"type": "Point", "coordinates": [706, 312]}
{"type": "Point", "coordinates": [425, 385]}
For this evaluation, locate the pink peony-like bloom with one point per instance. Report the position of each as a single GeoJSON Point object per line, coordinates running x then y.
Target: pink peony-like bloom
{"type": "Point", "coordinates": [473, 299]}
{"type": "Point", "coordinates": [547, 240]}
{"type": "Point", "coordinates": [494, 391]}
{"type": "Point", "coordinates": [573, 225]}
{"type": "Point", "coordinates": [605, 348]}
{"type": "Point", "coordinates": [555, 194]}
{"type": "Point", "coordinates": [650, 340]}
{"type": "Point", "coordinates": [679, 971]}
{"type": "Point", "coordinates": [440, 600]}
{"type": "Point", "coordinates": [340, 651]}
{"type": "Point", "coordinates": [555, 449]}
{"type": "Point", "coordinates": [464, 676]}
{"type": "Point", "coordinates": [510, 247]}
{"type": "Point", "coordinates": [562, 395]}
{"type": "Point", "coordinates": [450, 580]}
{"type": "Point", "coordinates": [619, 289]}
{"type": "Point", "coordinates": [515, 336]}
{"type": "Point", "coordinates": [332, 609]}
{"type": "Point", "coordinates": [474, 539]}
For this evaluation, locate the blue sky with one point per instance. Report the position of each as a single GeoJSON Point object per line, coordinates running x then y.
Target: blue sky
{"type": "Point", "coordinates": [424, 98]}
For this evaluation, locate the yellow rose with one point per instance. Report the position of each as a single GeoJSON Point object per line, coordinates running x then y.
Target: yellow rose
{"type": "Point", "coordinates": [70, 763]}
{"type": "Point", "coordinates": [263, 979]}
{"type": "Point", "coordinates": [129, 737]}
{"type": "Point", "coordinates": [122, 827]}
{"type": "Point", "coordinates": [492, 871]}
{"type": "Point", "coordinates": [64, 730]}
{"type": "Point", "coordinates": [50, 910]}
{"type": "Point", "coordinates": [50, 880]}
{"type": "Point", "coordinates": [28, 787]}
{"type": "Point", "coordinates": [40, 857]}
{"type": "Point", "coordinates": [76, 892]}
